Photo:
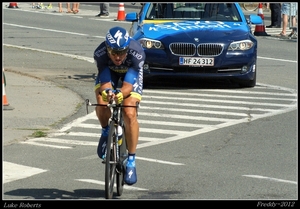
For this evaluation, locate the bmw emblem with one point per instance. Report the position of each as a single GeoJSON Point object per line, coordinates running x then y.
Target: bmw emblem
{"type": "Point", "coordinates": [196, 39]}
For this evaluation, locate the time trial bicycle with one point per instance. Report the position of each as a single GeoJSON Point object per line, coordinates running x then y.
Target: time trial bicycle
{"type": "Point", "coordinates": [116, 150]}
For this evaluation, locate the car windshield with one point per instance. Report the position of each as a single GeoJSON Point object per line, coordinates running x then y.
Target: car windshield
{"type": "Point", "coordinates": [194, 11]}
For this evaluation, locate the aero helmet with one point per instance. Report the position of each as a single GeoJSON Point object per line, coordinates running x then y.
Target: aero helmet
{"type": "Point", "coordinates": [117, 40]}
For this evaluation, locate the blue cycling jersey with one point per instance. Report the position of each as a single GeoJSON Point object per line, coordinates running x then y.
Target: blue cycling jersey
{"type": "Point", "coordinates": [129, 70]}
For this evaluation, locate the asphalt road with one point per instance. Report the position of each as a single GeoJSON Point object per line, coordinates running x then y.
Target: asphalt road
{"type": "Point", "coordinates": [253, 160]}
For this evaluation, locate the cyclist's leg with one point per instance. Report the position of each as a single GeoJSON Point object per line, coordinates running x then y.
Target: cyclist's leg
{"type": "Point", "coordinates": [105, 79]}
{"type": "Point", "coordinates": [132, 131]}
{"type": "Point", "coordinates": [131, 124]}
{"type": "Point", "coordinates": [131, 136]}
{"type": "Point", "coordinates": [130, 113]}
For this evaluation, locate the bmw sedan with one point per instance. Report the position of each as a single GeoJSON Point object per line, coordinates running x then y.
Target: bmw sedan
{"type": "Point", "coordinates": [197, 40]}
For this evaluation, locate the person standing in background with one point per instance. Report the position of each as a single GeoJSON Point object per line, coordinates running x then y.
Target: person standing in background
{"type": "Point", "coordinates": [60, 9]}
{"type": "Point", "coordinates": [49, 6]}
{"type": "Point", "coordinates": [38, 6]}
{"type": "Point", "coordinates": [41, 6]}
{"type": "Point", "coordinates": [275, 15]}
{"type": "Point", "coordinates": [289, 10]}
{"type": "Point", "coordinates": [267, 7]}
{"type": "Point", "coordinates": [104, 10]}
{"type": "Point", "coordinates": [69, 7]}
{"type": "Point", "coordinates": [75, 7]}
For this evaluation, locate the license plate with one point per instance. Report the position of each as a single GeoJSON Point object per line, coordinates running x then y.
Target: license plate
{"type": "Point", "coordinates": [196, 61]}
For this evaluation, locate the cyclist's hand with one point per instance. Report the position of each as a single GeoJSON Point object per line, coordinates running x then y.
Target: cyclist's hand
{"type": "Point", "coordinates": [106, 95]}
{"type": "Point", "coordinates": [118, 96]}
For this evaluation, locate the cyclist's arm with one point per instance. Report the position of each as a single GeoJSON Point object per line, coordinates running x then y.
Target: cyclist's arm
{"type": "Point", "coordinates": [104, 74]}
{"type": "Point", "coordinates": [129, 79]}
{"type": "Point", "coordinates": [101, 62]}
{"type": "Point", "coordinates": [104, 78]}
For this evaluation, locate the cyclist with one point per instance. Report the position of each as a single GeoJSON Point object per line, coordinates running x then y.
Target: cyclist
{"type": "Point", "coordinates": [120, 57]}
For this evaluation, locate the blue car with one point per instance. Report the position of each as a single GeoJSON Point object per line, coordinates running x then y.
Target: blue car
{"type": "Point", "coordinates": [197, 40]}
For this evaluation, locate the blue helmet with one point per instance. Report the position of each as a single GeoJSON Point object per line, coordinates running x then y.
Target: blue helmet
{"type": "Point", "coordinates": [117, 39]}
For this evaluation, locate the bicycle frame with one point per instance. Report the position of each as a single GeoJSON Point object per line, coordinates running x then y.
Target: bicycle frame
{"type": "Point", "coordinates": [116, 155]}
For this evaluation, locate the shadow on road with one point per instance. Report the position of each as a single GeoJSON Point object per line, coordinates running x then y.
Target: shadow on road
{"type": "Point", "coordinates": [52, 193]}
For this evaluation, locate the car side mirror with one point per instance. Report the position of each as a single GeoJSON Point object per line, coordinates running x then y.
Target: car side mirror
{"type": "Point", "coordinates": [255, 19]}
{"type": "Point", "coordinates": [131, 17]}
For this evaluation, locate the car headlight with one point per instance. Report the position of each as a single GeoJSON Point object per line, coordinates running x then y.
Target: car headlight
{"type": "Point", "coordinates": [241, 45]}
{"type": "Point", "coordinates": [151, 44]}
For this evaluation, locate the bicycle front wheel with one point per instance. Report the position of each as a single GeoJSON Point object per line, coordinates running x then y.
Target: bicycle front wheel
{"type": "Point", "coordinates": [121, 165]}
{"type": "Point", "coordinates": [120, 179]}
{"type": "Point", "coordinates": [250, 6]}
{"type": "Point", "coordinates": [110, 164]}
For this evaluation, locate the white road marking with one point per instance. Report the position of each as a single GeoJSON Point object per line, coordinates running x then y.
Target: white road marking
{"type": "Point", "coordinates": [44, 145]}
{"type": "Point", "coordinates": [180, 117]}
{"type": "Point", "coordinates": [91, 157]}
{"type": "Point", "coordinates": [244, 117]}
{"type": "Point", "coordinates": [103, 183]}
{"type": "Point", "coordinates": [13, 172]}
{"type": "Point", "coordinates": [191, 107]}
{"type": "Point", "coordinates": [258, 86]}
{"type": "Point", "coordinates": [215, 127]}
{"type": "Point", "coordinates": [77, 121]}
{"type": "Point", "coordinates": [161, 123]}
{"type": "Point", "coordinates": [158, 161]}
{"type": "Point", "coordinates": [138, 158]}
{"type": "Point", "coordinates": [43, 140]}
{"type": "Point", "coordinates": [192, 110]}
{"type": "Point", "coordinates": [65, 141]}
{"type": "Point", "coordinates": [271, 179]}
{"type": "Point", "coordinates": [52, 52]}
{"type": "Point", "coordinates": [239, 102]}
{"type": "Point", "coordinates": [236, 95]}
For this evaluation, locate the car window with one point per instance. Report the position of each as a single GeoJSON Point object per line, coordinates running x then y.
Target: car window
{"type": "Point", "coordinates": [195, 11]}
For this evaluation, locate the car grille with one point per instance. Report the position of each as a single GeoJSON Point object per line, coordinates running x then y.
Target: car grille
{"type": "Point", "coordinates": [209, 49]}
{"type": "Point", "coordinates": [189, 49]}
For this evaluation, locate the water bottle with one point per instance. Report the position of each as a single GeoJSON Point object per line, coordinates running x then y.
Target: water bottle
{"type": "Point", "coordinates": [120, 134]}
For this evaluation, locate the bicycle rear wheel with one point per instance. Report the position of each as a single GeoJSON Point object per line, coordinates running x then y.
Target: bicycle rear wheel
{"type": "Point", "coordinates": [121, 165]}
{"type": "Point", "coordinates": [110, 164]}
{"type": "Point", "coordinates": [250, 6]}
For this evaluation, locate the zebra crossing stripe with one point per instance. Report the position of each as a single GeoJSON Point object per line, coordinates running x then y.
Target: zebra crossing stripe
{"type": "Point", "coordinates": [13, 172]}
{"type": "Point", "coordinates": [44, 142]}
{"type": "Point", "coordinates": [103, 183]}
